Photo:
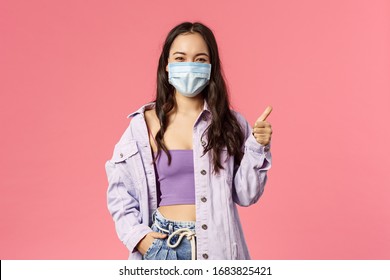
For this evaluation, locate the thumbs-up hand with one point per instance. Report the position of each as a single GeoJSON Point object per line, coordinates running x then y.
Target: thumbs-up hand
{"type": "Point", "coordinates": [262, 129]}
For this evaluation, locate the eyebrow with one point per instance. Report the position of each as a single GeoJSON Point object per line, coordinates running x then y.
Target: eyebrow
{"type": "Point", "coordinates": [183, 53]}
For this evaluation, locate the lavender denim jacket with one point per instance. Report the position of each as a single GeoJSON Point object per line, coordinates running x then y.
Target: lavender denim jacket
{"type": "Point", "coordinates": [132, 195]}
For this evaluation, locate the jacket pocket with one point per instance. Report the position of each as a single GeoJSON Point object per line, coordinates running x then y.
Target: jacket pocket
{"type": "Point", "coordinates": [127, 157]}
{"type": "Point", "coordinates": [124, 151]}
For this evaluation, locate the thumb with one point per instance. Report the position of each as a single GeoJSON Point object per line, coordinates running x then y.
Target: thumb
{"type": "Point", "coordinates": [158, 234]}
{"type": "Point", "coordinates": [265, 114]}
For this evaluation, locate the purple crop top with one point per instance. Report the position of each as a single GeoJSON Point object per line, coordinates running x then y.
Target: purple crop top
{"type": "Point", "coordinates": [177, 183]}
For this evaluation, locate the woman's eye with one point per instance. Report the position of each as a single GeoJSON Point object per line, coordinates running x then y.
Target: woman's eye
{"type": "Point", "coordinates": [202, 60]}
{"type": "Point", "coordinates": [178, 58]}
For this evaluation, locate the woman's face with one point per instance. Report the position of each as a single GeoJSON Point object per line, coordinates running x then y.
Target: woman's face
{"type": "Point", "coordinates": [189, 47]}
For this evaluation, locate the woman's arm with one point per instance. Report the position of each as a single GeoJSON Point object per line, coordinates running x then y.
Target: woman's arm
{"type": "Point", "coordinates": [122, 197]}
{"type": "Point", "coordinates": [250, 176]}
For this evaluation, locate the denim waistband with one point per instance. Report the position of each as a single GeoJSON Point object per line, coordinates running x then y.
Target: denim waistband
{"type": "Point", "coordinates": [171, 225]}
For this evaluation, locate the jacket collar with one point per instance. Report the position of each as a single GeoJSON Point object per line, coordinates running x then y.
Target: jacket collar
{"type": "Point", "coordinates": [152, 104]}
{"type": "Point", "coordinates": [142, 109]}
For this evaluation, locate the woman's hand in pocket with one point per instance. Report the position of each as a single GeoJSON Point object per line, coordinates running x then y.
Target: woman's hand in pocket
{"type": "Point", "coordinates": [147, 241]}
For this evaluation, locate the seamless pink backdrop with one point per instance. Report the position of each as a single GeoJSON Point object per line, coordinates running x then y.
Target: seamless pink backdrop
{"type": "Point", "coordinates": [71, 71]}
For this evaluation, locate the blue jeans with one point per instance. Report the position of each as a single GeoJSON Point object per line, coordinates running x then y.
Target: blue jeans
{"type": "Point", "coordinates": [176, 246]}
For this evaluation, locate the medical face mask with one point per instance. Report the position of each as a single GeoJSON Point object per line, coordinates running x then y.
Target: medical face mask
{"type": "Point", "coordinates": [189, 78]}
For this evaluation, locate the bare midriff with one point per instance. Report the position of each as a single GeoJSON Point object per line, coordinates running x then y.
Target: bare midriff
{"type": "Point", "coordinates": [180, 212]}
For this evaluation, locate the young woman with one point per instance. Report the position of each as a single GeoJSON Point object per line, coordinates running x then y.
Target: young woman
{"type": "Point", "coordinates": [186, 160]}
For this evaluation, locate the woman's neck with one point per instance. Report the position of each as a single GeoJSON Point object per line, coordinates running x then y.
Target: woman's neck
{"type": "Point", "coordinates": [189, 105]}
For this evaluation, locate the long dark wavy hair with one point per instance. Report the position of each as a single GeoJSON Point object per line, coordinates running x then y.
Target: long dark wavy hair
{"type": "Point", "coordinates": [224, 129]}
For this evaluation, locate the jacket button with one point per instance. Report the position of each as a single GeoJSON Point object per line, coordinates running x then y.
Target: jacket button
{"type": "Point", "coordinates": [203, 199]}
{"type": "Point", "coordinates": [205, 256]}
{"type": "Point", "coordinates": [204, 227]}
{"type": "Point", "coordinates": [121, 155]}
{"type": "Point", "coordinates": [203, 172]}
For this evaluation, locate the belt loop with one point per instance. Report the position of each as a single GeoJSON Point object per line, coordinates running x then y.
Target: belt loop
{"type": "Point", "coordinates": [170, 227]}
{"type": "Point", "coordinates": [154, 216]}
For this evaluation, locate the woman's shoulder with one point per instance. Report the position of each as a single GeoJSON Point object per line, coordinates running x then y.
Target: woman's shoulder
{"type": "Point", "coordinates": [146, 111]}
{"type": "Point", "coordinates": [142, 109]}
{"type": "Point", "coordinates": [135, 126]}
{"type": "Point", "coordinates": [150, 114]}
{"type": "Point", "coordinates": [242, 121]}
{"type": "Point", "coordinates": [239, 116]}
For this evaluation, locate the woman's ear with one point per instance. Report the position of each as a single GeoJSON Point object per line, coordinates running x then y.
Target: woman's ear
{"type": "Point", "coordinates": [166, 68]}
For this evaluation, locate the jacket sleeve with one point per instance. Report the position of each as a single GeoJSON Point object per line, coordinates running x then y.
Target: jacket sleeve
{"type": "Point", "coordinates": [250, 176]}
{"type": "Point", "coordinates": [123, 197]}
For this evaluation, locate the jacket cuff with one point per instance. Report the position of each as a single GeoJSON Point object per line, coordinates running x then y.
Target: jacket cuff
{"type": "Point", "coordinates": [255, 146]}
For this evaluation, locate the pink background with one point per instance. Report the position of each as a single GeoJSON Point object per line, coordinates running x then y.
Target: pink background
{"type": "Point", "coordinates": [71, 71]}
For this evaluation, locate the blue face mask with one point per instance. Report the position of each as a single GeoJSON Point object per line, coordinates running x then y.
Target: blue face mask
{"type": "Point", "coordinates": [189, 78]}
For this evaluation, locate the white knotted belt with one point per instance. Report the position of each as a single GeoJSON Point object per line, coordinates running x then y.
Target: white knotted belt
{"type": "Point", "coordinates": [181, 232]}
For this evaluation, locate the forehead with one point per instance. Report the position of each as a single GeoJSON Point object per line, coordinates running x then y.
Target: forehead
{"type": "Point", "coordinates": [189, 43]}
